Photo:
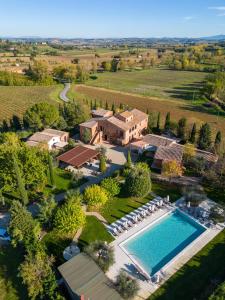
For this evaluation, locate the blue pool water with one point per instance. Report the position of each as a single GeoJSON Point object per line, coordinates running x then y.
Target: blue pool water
{"type": "Point", "coordinates": [154, 247]}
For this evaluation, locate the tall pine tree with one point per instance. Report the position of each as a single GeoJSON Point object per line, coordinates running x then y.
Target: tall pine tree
{"type": "Point", "coordinates": [193, 133]}
{"type": "Point", "coordinates": [218, 140]}
{"type": "Point", "coordinates": [181, 129]}
{"type": "Point", "coordinates": [204, 140]}
{"type": "Point", "coordinates": [102, 164]}
{"type": "Point", "coordinates": [20, 182]}
{"type": "Point", "coordinates": [158, 122]}
{"type": "Point", "coordinates": [167, 122]}
{"type": "Point", "coordinates": [51, 170]}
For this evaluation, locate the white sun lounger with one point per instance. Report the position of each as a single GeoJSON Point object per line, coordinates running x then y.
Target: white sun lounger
{"type": "Point", "coordinates": [115, 232]}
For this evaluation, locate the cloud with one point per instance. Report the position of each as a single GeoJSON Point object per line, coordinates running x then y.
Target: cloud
{"type": "Point", "coordinates": [188, 18]}
{"type": "Point", "coordinates": [220, 8]}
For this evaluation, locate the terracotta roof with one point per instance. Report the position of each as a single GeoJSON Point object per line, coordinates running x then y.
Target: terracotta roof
{"type": "Point", "coordinates": [138, 116]}
{"type": "Point", "coordinates": [157, 140]}
{"type": "Point", "coordinates": [32, 143]}
{"type": "Point", "coordinates": [173, 152]}
{"type": "Point", "coordinates": [102, 112]}
{"type": "Point", "coordinates": [120, 124]}
{"type": "Point", "coordinates": [53, 132]}
{"type": "Point", "coordinates": [210, 157]}
{"type": "Point", "coordinates": [126, 114]}
{"type": "Point", "coordinates": [78, 156]}
{"type": "Point", "coordinates": [90, 123]}
{"type": "Point", "coordinates": [40, 137]}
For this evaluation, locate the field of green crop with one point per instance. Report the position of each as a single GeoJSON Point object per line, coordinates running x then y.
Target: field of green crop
{"type": "Point", "coordinates": [14, 100]}
{"type": "Point", "coordinates": [161, 83]}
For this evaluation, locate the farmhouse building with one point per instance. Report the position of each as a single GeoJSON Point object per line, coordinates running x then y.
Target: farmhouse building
{"type": "Point", "coordinates": [163, 149]}
{"type": "Point", "coordinates": [119, 129]}
{"type": "Point", "coordinates": [49, 138]}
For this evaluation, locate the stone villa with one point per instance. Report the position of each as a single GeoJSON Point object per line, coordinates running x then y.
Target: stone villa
{"type": "Point", "coordinates": [118, 129]}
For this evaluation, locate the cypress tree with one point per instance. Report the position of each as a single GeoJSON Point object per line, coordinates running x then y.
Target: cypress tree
{"type": "Point", "coordinates": [113, 108]}
{"type": "Point", "coordinates": [121, 106]}
{"type": "Point", "coordinates": [129, 160]}
{"type": "Point", "coordinates": [167, 122]}
{"type": "Point", "coordinates": [100, 103]}
{"type": "Point", "coordinates": [158, 122]}
{"type": "Point", "coordinates": [95, 104]}
{"type": "Point", "coordinates": [218, 140]}
{"type": "Point", "coordinates": [204, 141]}
{"type": "Point", "coordinates": [106, 105]}
{"type": "Point", "coordinates": [181, 130]}
{"type": "Point", "coordinates": [20, 181]}
{"type": "Point", "coordinates": [51, 170]}
{"type": "Point", "coordinates": [192, 138]}
{"type": "Point", "coordinates": [102, 164]}
{"type": "Point", "coordinates": [91, 104]}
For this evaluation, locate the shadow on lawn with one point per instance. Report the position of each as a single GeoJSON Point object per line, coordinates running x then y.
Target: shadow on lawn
{"type": "Point", "coordinates": [198, 278]}
{"type": "Point", "coordinates": [10, 259]}
{"type": "Point", "coordinates": [187, 91]}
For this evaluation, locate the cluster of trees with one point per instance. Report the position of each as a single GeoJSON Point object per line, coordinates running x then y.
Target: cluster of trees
{"type": "Point", "coordinates": [43, 115]}
{"type": "Point", "coordinates": [23, 170]}
{"type": "Point", "coordinates": [37, 269]}
{"type": "Point", "coordinates": [71, 72]}
{"type": "Point", "coordinates": [137, 184]}
{"type": "Point", "coordinates": [215, 87]}
{"type": "Point", "coordinates": [202, 138]}
{"type": "Point", "coordinates": [197, 58]}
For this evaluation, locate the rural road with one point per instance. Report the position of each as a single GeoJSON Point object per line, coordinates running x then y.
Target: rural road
{"type": "Point", "coordinates": [62, 95]}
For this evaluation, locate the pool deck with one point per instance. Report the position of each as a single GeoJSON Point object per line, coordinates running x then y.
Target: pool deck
{"type": "Point", "coordinates": [123, 261]}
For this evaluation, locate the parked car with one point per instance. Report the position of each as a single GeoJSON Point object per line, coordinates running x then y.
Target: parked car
{"type": "Point", "coordinates": [4, 235]}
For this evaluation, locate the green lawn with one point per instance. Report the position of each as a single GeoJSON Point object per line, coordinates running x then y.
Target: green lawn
{"type": "Point", "coordinates": [11, 287]}
{"type": "Point", "coordinates": [195, 279]}
{"type": "Point", "coordinates": [164, 189]}
{"type": "Point", "coordinates": [62, 181]}
{"type": "Point", "coordinates": [94, 230]}
{"type": "Point", "coordinates": [162, 83]}
{"type": "Point", "coordinates": [217, 195]}
{"type": "Point", "coordinates": [55, 243]}
{"type": "Point", "coordinates": [118, 207]}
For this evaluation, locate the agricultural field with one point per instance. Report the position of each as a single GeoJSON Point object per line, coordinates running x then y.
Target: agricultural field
{"type": "Point", "coordinates": [14, 100]}
{"type": "Point", "coordinates": [194, 112]}
{"type": "Point", "coordinates": [162, 83]}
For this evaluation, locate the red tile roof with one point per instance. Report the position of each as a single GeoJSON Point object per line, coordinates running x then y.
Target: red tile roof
{"type": "Point", "coordinates": [78, 156]}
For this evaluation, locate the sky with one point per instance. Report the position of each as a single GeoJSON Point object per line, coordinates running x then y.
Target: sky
{"type": "Point", "coordinates": [112, 18]}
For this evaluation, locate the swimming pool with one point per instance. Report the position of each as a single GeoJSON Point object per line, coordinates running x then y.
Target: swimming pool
{"type": "Point", "coordinates": [158, 244]}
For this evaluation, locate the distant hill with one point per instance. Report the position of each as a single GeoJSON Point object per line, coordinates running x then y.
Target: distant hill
{"type": "Point", "coordinates": [220, 37]}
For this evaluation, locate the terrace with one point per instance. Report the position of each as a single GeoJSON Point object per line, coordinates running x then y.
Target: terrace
{"type": "Point", "coordinates": [131, 263]}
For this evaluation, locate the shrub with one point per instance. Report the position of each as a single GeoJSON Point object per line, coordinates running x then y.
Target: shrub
{"type": "Point", "coordinates": [95, 196]}
{"type": "Point", "coordinates": [111, 185]}
{"type": "Point", "coordinates": [102, 164]}
{"type": "Point", "coordinates": [101, 253]}
{"type": "Point", "coordinates": [126, 286]}
{"type": "Point", "coordinates": [171, 169]}
{"type": "Point", "coordinates": [70, 216]}
{"type": "Point", "coordinates": [138, 182]}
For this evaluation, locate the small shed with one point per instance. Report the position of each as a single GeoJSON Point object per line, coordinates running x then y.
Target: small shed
{"type": "Point", "coordinates": [83, 278]}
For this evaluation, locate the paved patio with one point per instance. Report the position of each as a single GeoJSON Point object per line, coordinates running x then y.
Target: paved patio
{"type": "Point", "coordinates": [127, 263]}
